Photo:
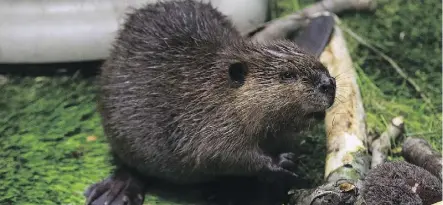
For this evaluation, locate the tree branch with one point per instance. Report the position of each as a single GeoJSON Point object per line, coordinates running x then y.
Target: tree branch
{"type": "Point", "coordinates": [381, 146]}
{"type": "Point", "coordinates": [281, 27]}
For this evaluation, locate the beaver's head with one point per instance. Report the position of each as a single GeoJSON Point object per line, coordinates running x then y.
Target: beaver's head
{"type": "Point", "coordinates": [279, 81]}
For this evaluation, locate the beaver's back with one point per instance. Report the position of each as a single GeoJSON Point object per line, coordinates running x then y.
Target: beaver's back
{"type": "Point", "coordinates": [157, 84]}
{"type": "Point", "coordinates": [172, 29]}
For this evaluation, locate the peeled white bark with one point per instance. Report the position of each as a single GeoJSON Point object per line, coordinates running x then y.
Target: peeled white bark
{"type": "Point", "coordinates": [345, 121]}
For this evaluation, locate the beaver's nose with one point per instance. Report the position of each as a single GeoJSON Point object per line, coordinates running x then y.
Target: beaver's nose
{"type": "Point", "coordinates": [327, 85]}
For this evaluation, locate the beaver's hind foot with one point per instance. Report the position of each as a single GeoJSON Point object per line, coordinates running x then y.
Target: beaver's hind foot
{"type": "Point", "coordinates": [121, 188]}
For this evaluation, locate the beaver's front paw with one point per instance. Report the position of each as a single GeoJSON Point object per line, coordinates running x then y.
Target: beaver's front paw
{"type": "Point", "coordinates": [286, 161]}
{"type": "Point", "coordinates": [118, 189]}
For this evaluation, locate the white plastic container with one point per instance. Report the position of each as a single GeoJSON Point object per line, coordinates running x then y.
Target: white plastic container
{"type": "Point", "coordinates": [49, 31]}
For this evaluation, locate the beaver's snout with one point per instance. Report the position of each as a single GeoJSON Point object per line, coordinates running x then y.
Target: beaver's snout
{"type": "Point", "coordinates": [327, 86]}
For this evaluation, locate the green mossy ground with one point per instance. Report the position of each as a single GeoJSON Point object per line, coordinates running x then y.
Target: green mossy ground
{"type": "Point", "coordinates": [46, 157]}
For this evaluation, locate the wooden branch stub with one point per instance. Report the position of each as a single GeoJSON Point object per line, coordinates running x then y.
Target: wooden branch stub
{"type": "Point", "coordinates": [380, 147]}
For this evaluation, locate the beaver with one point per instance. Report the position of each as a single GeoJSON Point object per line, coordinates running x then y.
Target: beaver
{"type": "Point", "coordinates": [185, 98]}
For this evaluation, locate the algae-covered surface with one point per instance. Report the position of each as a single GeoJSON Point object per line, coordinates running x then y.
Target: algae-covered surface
{"type": "Point", "coordinates": [52, 145]}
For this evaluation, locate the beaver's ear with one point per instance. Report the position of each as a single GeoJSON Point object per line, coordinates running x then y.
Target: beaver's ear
{"type": "Point", "coordinates": [237, 73]}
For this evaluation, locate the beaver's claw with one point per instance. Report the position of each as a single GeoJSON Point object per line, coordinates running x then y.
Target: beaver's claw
{"type": "Point", "coordinates": [286, 160]}
{"type": "Point", "coordinates": [116, 190]}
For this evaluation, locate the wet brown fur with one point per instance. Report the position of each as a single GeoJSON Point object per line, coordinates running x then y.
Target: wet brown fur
{"type": "Point", "coordinates": [171, 110]}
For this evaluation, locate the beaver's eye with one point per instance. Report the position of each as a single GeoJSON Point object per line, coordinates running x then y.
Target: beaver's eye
{"type": "Point", "coordinates": [288, 75]}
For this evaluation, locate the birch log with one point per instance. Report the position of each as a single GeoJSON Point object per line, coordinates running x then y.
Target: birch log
{"type": "Point", "coordinates": [347, 154]}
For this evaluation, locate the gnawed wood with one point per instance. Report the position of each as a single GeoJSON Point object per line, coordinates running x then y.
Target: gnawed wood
{"type": "Point", "coordinates": [380, 147]}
